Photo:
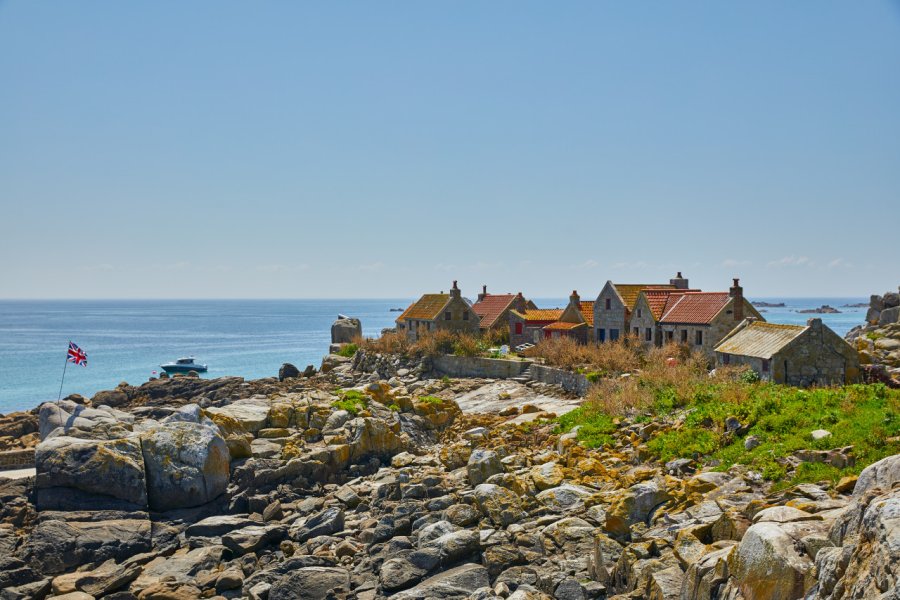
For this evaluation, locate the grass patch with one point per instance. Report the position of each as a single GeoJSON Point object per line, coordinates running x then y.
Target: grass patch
{"type": "Point", "coordinates": [353, 401]}
{"type": "Point", "coordinates": [431, 400]}
{"type": "Point", "coordinates": [348, 350]}
{"type": "Point", "coordinates": [595, 426]}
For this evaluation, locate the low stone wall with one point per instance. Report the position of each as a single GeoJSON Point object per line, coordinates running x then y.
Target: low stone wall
{"type": "Point", "coordinates": [474, 366]}
{"type": "Point", "coordinates": [575, 383]}
{"type": "Point", "coordinates": [16, 459]}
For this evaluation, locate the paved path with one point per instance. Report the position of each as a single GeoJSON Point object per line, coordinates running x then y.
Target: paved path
{"type": "Point", "coordinates": [17, 473]}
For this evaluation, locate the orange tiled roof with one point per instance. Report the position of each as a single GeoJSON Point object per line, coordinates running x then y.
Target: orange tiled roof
{"type": "Point", "coordinates": [587, 311]}
{"type": "Point", "coordinates": [629, 291]}
{"type": "Point", "coordinates": [546, 314]}
{"type": "Point", "coordinates": [427, 307]}
{"type": "Point", "coordinates": [560, 325]}
{"type": "Point", "coordinates": [491, 307]}
{"type": "Point", "coordinates": [697, 308]}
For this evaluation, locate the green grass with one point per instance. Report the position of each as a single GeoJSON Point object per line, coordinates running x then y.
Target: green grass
{"type": "Point", "coordinates": [866, 417]}
{"type": "Point", "coordinates": [348, 350]}
{"type": "Point", "coordinates": [353, 401]}
{"type": "Point", "coordinates": [596, 427]}
{"type": "Point", "coordinates": [431, 400]}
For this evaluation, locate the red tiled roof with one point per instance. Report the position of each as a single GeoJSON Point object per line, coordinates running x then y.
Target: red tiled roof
{"type": "Point", "coordinates": [658, 299]}
{"type": "Point", "coordinates": [696, 308]}
{"type": "Point", "coordinates": [491, 307]}
{"type": "Point", "coordinates": [629, 291]}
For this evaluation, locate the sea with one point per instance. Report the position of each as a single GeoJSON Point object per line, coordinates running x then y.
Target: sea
{"type": "Point", "coordinates": [127, 340]}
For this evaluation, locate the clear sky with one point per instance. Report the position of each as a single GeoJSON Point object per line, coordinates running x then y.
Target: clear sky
{"type": "Point", "coordinates": [382, 149]}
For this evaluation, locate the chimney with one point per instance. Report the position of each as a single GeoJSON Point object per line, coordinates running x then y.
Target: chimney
{"type": "Point", "coordinates": [574, 299]}
{"type": "Point", "coordinates": [679, 282]}
{"type": "Point", "coordinates": [815, 324]}
{"type": "Point", "coordinates": [519, 303]}
{"type": "Point", "coordinates": [737, 292]}
{"type": "Point", "coordinates": [454, 291]}
{"type": "Point", "coordinates": [483, 293]}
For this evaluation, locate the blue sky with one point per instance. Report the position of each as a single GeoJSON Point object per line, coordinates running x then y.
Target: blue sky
{"type": "Point", "coordinates": [361, 149]}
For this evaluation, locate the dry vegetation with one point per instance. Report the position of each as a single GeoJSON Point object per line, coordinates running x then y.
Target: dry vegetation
{"type": "Point", "coordinates": [436, 342]}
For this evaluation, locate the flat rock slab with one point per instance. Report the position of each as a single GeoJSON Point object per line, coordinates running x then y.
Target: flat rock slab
{"type": "Point", "coordinates": [496, 396]}
{"type": "Point", "coordinates": [18, 473]}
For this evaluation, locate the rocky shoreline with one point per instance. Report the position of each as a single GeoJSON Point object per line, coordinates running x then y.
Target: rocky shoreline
{"type": "Point", "coordinates": [368, 480]}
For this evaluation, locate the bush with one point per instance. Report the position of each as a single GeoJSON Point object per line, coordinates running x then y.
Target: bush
{"type": "Point", "coordinates": [353, 401]}
{"type": "Point", "coordinates": [348, 350]}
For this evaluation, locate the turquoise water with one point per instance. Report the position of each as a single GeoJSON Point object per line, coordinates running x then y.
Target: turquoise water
{"type": "Point", "coordinates": [128, 340]}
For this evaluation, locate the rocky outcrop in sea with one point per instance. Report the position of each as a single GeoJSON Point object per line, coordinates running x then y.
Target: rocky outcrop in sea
{"type": "Point", "coordinates": [373, 479]}
{"type": "Point", "coordinates": [878, 340]}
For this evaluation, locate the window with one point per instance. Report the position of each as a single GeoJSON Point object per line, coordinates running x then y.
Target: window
{"type": "Point", "coordinates": [649, 334]}
{"type": "Point", "coordinates": [765, 365]}
{"type": "Point", "coordinates": [601, 335]}
{"type": "Point", "coordinates": [608, 304]}
{"type": "Point", "coordinates": [518, 329]}
{"type": "Point", "coordinates": [639, 313]}
{"type": "Point", "coordinates": [699, 340]}
{"type": "Point", "coordinates": [684, 336]}
{"type": "Point", "coordinates": [613, 335]}
{"type": "Point", "coordinates": [447, 316]}
{"type": "Point", "coordinates": [637, 331]}
{"type": "Point", "coordinates": [670, 335]}
{"type": "Point", "coordinates": [466, 316]}
{"type": "Point", "coordinates": [726, 359]}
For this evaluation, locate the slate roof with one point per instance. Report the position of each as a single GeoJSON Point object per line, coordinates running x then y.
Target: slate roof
{"type": "Point", "coordinates": [428, 307]}
{"type": "Point", "coordinates": [695, 308]}
{"type": "Point", "coordinates": [629, 291]}
{"type": "Point", "coordinates": [760, 339]}
{"type": "Point", "coordinates": [492, 307]}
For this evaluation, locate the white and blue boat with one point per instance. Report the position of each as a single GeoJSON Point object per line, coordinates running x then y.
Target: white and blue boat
{"type": "Point", "coordinates": [183, 365]}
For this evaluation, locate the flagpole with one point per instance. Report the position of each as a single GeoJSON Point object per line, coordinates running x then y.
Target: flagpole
{"type": "Point", "coordinates": [61, 381]}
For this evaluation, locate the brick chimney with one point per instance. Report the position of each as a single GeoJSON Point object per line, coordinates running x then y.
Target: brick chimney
{"type": "Point", "coordinates": [737, 292]}
{"type": "Point", "coordinates": [679, 282]}
{"type": "Point", "coordinates": [575, 299]}
{"type": "Point", "coordinates": [454, 291]}
{"type": "Point", "coordinates": [483, 293]}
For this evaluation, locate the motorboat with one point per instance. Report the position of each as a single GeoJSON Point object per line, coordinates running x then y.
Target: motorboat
{"type": "Point", "coordinates": [183, 365]}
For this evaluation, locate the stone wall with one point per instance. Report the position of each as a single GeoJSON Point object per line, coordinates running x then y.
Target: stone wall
{"type": "Point", "coordinates": [818, 357]}
{"type": "Point", "coordinates": [575, 383]}
{"type": "Point", "coordinates": [16, 459]}
{"type": "Point", "coordinates": [475, 366]}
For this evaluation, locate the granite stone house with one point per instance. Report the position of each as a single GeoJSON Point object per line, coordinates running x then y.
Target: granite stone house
{"type": "Point", "coordinates": [650, 306]}
{"type": "Point", "coordinates": [703, 319]}
{"type": "Point", "coordinates": [493, 309]}
{"type": "Point", "coordinates": [432, 312]}
{"type": "Point", "coordinates": [792, 354]}
{"type": "Point", "coordinates": [527, 327]}
{"type": "Point", "coordinates": [576, 321]}
{"type": "Point", "coordinates": [615, 303]}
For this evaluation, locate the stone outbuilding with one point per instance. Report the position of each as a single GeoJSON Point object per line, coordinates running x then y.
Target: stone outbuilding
{"type": "Point", "coordinates": [576, 321]}
{"type": "Point", "coordinates": [527, 327]}
{"type": "Point", "coordinates": [431, 312]}
{"type": "Point", "coordinates": [792, 354]}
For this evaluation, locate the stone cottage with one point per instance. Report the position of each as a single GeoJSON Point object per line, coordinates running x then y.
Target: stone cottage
{"type": "Point", "coordinates": [527, 327]}
{"type": "Point", "coordinates": [431, 312]}
{"type": "Point", "coordinates": [792, 354]}
{"type": "Point", "coordinates": [649, 308]}
{"type": "Point", "coordinates": [576, 321]}
{"type": "Point", "coordinates": [493, 309]}
{"type": "Point", "coordinates": [614, 304]}
{"type": "Point", "coordinates": [702, 319]}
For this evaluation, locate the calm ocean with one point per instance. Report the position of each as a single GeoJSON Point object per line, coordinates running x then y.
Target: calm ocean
{"type": "Point", "coordinates": [128, 340]}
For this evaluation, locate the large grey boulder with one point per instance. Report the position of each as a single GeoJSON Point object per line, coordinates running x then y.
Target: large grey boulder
{"type": "Point", "coordinates": [75, 473]}
{"type": "Point", "coordinates": [499, 504]}
{"type": "Point", "coordinates": [187, 464]}
{"type": "Point", "coordinates": [768, 566]}
{"type": "Point", "coordinates": [345, 330]}
{"type": "Point", "coordinates": [482, 465]}
{"type": "Point", "coordinates": [77, 420]}
{"type": "Point", "coordinates": [310, 583]}
{"type": "Point", "coordinates": [57, 546]}
{"type": "Point", "coordinates": [888, 316]}
{"type": "Point", "coordinates": [454, 583]}
{"type": "Point", "coordinates": [880, 475]}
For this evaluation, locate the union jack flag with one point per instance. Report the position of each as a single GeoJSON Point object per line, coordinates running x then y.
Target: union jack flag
{"type": "Point", "coordinates": [77, 355]}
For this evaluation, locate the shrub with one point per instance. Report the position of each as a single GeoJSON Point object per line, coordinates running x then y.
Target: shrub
{"type": "Point", "coordinates": [348, 350]}
{"type": "Point", "coordinates": [353, 401]}
{"type": "Point", "coordinates": [389, 343]}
